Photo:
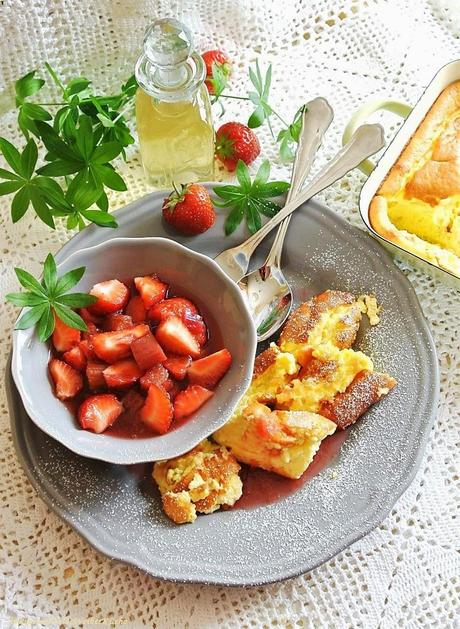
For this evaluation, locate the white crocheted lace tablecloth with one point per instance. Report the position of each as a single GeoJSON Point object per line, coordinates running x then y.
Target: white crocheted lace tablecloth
{"type": "Point", "coordinates": [406, 573]}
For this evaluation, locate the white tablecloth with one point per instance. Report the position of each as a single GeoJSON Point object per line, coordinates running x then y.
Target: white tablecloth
{"type": "Point", "coordinates": [406, 572]}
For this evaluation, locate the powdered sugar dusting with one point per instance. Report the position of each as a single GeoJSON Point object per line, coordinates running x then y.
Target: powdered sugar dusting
{"type": "Point", "coordinates": [118, 509]}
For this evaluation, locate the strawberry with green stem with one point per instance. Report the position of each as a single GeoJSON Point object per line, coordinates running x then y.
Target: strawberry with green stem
{"type": "Point", "coordinates": [189, 209]}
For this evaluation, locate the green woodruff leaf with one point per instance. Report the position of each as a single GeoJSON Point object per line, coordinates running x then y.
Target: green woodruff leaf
{"type": "Point", "coordinates": [49, 299]}
{"type": "Point", "coordinates": [249, 199]}
{"type": "Point", "coordinates": [82, 138]}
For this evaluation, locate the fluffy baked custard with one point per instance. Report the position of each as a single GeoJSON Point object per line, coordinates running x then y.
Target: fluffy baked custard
{"type": "Point", "coordinates": [303, 389]}
{"type": "Point", "coordinates": [418, 205]}
{"type": "Point", "coordinates": [328, 385]}
{"type": "Point", "coordinates": [201, 480]}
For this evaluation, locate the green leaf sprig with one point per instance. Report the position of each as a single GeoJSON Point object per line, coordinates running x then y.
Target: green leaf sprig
{"type": "Point", "coordinates": [263, 111]}
{"type": "Point", "coordinates": [49, 299]}
{"type": "Point", "coordinates": [82, 137]}
{"type": "Point", "coordinates": [289, 137]}
{"type": "Point", "coordinates": [250, 199]}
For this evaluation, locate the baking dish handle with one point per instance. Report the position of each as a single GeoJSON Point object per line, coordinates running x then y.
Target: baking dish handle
{"type": "Point", "coordinates": [363, 113]}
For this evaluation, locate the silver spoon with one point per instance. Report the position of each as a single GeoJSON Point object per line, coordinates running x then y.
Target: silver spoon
{"type": "Point", "coordinates": [366, 140]}
{"type": "Point", "coordinates": [268, 292]}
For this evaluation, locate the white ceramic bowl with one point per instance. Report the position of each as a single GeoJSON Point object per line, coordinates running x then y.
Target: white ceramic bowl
{"type": "Point", "coordinates": [198, 278]}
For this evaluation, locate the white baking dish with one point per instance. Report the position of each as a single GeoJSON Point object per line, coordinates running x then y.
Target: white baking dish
{"type": "Point", "coordinates": [446, 75]}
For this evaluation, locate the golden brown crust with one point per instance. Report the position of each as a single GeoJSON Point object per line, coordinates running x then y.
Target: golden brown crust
{"type": "Point", "coordinates": [308, 315]}
{"type": "Point", "coordinates": [447, 103]}
{"type": "Point", "coordinates": [428, 172]}
{"type": "Point", "coordinates": [367, 388]}
{"type": "Point", "coordinates": [264, 360]}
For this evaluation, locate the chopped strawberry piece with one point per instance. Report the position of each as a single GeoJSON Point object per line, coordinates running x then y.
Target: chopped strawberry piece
{"type": "Point", "coordinates": [178, 365]}
{"type": "Point", "coordinates": [174, 390]}
{"type": "Point", "coordinates": [86, 347]}
{"type": "Point", "coordinates": [175, 337]}
{"type": "Point", "coordinates": [67, 381]}
{"type": "Point", "coordinates": [133, 401]}
{"type": "Point", "coordinates": [115, 322]}
{"type": "Point", "coordinates": [155, 375]}
{"type": "Point", "coordinates": [76, 357]}
{"type": "Point", "coordinates": [197, 327]}
{"type": "Point", "coordinates": [112, 295]}
{"type": "Point", "coordinates": [89, 317]}
{"type": "Point", "coordinates": [173, 307]}
{"type": "Point", "coordinates": [157, 412]}
{"type": "Point", "coordinates": [147, 351]}
{"type": "Point", "coordinates": [190, 400]}
{"type": "Point", "coordinates": [150, 289]}
{"type": "Point", "coordinates": [136, 309]}
{"type": "Point", "coordinates": [122, 374]}
{"type": "Point", "coordinates": [92, 329]}
{"type": "Point", "coordinates": [210, 370]}
{"type": "Point", "coordinates": [64, 337]}
{"type": "Point", "coordinates": [95, 375]}
{"type": "Point", "coordinates": [98, 412]}
{"type": "Point", "coordinates": [113, 346]}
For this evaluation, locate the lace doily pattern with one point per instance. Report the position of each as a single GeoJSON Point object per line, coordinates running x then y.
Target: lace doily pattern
{"type": "Point", "coordinates": [406, 573]}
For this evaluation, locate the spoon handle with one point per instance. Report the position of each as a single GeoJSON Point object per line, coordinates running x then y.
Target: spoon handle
{"type": "Point", "coordinates": [316, 119]}
{"type": "Point", "coordinates": [367, 140]}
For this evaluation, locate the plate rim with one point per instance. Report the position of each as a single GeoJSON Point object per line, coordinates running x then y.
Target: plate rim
{"type": "Point", "coordinates": [378, 514]}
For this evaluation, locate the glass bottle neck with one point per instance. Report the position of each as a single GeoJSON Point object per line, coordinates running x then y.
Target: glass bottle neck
{"type": "Point", "coordinates": [171, 83]}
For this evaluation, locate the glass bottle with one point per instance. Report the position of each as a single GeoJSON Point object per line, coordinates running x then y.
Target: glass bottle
{"type": "Point", "coordinates": [173, 110]}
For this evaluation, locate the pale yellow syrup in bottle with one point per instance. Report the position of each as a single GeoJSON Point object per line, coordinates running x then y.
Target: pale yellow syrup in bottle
{"type": "Point", "coordinates": [173, 112]}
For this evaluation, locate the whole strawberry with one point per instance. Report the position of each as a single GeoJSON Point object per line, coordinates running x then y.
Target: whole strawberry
{"type": "Point", "coordinates": [222, 62]}
{"type": "Point", "coordinates": [189, 209]}
{"type": "Point", "coordinates": [236, 141]}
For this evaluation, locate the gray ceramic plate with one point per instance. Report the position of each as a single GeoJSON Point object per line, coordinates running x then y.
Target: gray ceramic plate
{"type": "Point", "coordinates": [117, 509]}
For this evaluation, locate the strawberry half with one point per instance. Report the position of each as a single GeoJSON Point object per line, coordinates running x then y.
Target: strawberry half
{"type": "Point", "coordinates": [67, 381]}
{"type": "Point", "coordinates": [157, 412]}
{"type": "Point", "coordinates": [112, 295]}
{"type": "Point", "coordinates": [98, 412]}
{"type": "Point", "coordinates": [136, 309]}
{"type": "Point", "coordinates": [190, 400]}
{"type": "Point", "coordinates": [147, 351]}
{"type": "Point", "coordinates": [95, 375]}
{"type": "Point", "coordinates": [76, 357]}
{"type": "Point", "coordinates": [64, 337]}
{"type": "Point", "coordinates": [178, 365]}
{"type": "Point", "coordinates": [210, 370]}
{"type": "Point", "coordinates": [122, 374]}
{"type": "Point", "coordinates": [172, 307]}
{"type": "Point", "coordinates": [115, 322]}
{"type": "Point", "coordinates": [150, 289]}
{"type": "Point", "coordinates": [174, 336]}
{"type": "Point", "coordinates": [113, 346]}
{"type": "Point", "coordinates": [156, 375]}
